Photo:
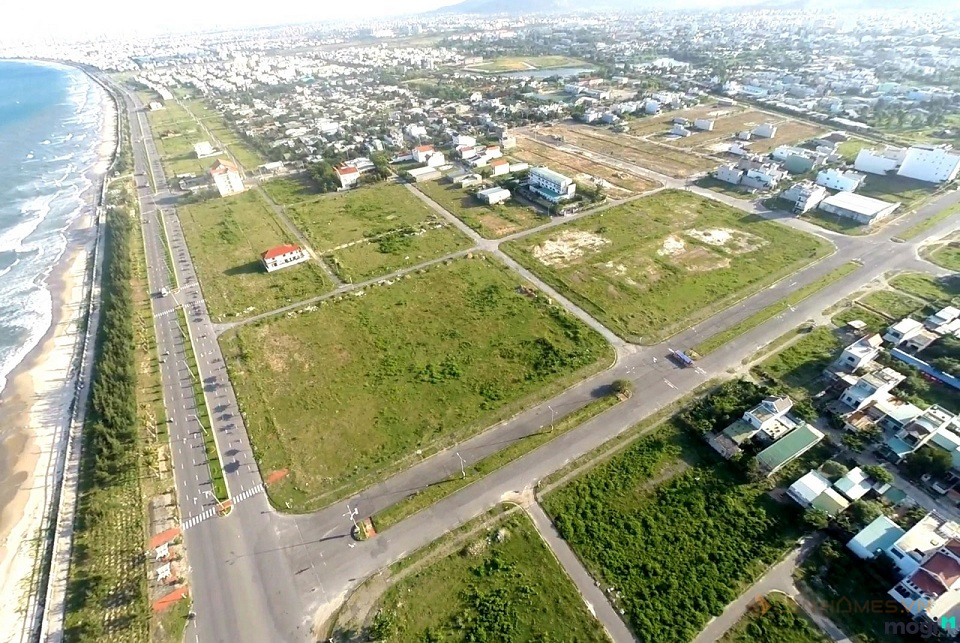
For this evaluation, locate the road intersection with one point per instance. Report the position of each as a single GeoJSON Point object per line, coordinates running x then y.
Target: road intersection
{"type": "Point", "coordinates": [257, 575]}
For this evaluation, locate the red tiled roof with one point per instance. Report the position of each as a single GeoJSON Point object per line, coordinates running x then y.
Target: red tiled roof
{"type": "Point", "coordinates": [280, 250]}
{"type": "Point", "coordinates": [496, 162]}
{"type": "Point", "coordinates": [927, 583]}
{"type": "Point", "coordinates": [424, 148]}
{"type": "Point", "coordinates": [945, 568]}
{"type": "Point", "coordinates": [347, 170]}
{"type": "Point", "coordinates": [223, 165]}
{"type": "Point", "coordinates": [953, 546]}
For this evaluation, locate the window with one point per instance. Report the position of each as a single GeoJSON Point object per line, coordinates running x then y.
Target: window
{"type": "Point", "coordinates": [896, 552]}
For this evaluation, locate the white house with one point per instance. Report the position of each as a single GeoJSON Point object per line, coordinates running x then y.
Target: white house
{"type": "Point", "coordinates": [834, 179]}
{"type": "Point", "coordinates": [703, 124]}
{"type": "Point", "coordinates": [651, 107]}
{"type": "Point", "coordinates": [943, 320]}
{"type": "Point", "coordinates": [283, 256]}
{"type": "Point", "coordinates": [348, 176]}
{"type": "Point", "coordinates": [519, 166]}
{"type": "Point", "coordinates": [508, 142]}
{"type": "Point", "coordinates": [930, 163]}
{"type": "Point", "coordinates": [783, 152]}
{"type": "Point", "coordinates": [767, 130]}
{"type": "Point", "coordinates": [679, 130]}
{"type": "Point", "coordinates": [860, 353]}
{"type": "Point", "coordinates": [500, 166]}
{"type": "Point", "coordinates": [552, 186]}
{"type": "Point", "coordinates": [493, 196]}
{"type": "Point", "coordinates": [854, 485]}
{"type": "Point", "coordinates": [805, 196]}
{"type": "Point", "coordinates": [729, 174]}
{"type": "Point", "coordinates": [226, 177]}
{"type": "Point", "coordinates": [902, 331]}
{"type": "Point", "coordinates": [463, 139]}
{"type": "Point", "coordinates": [814, 490]}
{"type": "Point", "coordinates": [879, 162]}
{"type": "Point", "coordinates": [421, 152]}
{"type": "Point", "coordinates": [436, 159]}
{"type": "Point", "coordinates": [203, 149]}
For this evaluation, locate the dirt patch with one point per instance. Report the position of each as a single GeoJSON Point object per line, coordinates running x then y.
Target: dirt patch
{"type": "Point", "coordinates": [735, 241]}
{"type": "Point", "coordinates": [497, 226]}
{"type": "Point", "coordinates": [699, 259]}
{"type": "Point", "coordinates": [672, 246]}
{"type": "Point", "coordinates": [568, 246]}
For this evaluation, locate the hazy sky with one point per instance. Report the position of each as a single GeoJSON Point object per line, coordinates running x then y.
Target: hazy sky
{"type": "Point", "coordinates": [53, 18]}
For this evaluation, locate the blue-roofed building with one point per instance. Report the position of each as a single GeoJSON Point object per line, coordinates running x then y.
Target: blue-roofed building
{"type": "Point", "coordinates": [879, 536]}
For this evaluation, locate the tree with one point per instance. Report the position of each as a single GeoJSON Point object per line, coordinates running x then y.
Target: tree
{"type": "Point", "coordinates": [324, 176]}
{"type": "Point", "coordinates": [816, 518]}
{"type": "Point", "coordinates": [833, 470]}
{"type": "Point", "coordinates": [929, 460]}
{"type": "Point", "coordinates": [622, 387]}
{"type": "Point", "coordinates": [878, 474]}
{"type": "Point", "coordinates": [804, 410]}
{"type": "Point", "coordinates": [863, 512]}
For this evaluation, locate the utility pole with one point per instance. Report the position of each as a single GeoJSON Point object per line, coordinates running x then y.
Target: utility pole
{"type": "Point", "coordinates": [352, 513]}
{"type": "Point", "coordinates": [463, 473]}
{"type": "Point", "coordinates": [552, 415]}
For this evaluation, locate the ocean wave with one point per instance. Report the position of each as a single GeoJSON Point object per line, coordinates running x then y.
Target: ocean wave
{"type": "Point", "coordinates": [65, 157]}
{"type": "Point", "coordinates": [16, 261]}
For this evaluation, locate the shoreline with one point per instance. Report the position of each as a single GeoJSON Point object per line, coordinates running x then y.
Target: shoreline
{"type": "Point", "coordinates": [41, 393]}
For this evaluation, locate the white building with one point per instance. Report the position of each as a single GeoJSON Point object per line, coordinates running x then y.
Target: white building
{"type": "Point", "coordinates": [462, 139]}
{"type": "Point", "coordinates": [508, 142]}
{"type": "Point", "coordinates": [930, 163]}
{"type": "Point", "coordinates": [805, 196]}
{"type": "Point", "coordinates": [651, 107]}
{"type": "Point", "coordinates": [879, 162]}
{"type": "Point", "coordinates": [500, 166]}
{"type": "Point", "coordinates": [902, 331]}
{"type": "Point", "coordinates": [282, 257]}
{"type": "Point", "coordinates": [436, 159]}
{"type": "Point", "coordinates": [348, 176]}
{"type": "Point", "coordinates": [226, 177]}
{"type": "Point", "coordinates": [703, 124]}
{"type": "Point", "coordinates": [861, 209]}
{"type": "Point", "coordinates": [552, 186]}
{"type": "Point", "coordinates": [729, 174]}
{"type": "Point", "coordinates": [783, 152]}
{"type": "Point", "coordinates": [767, 130]}
{"type": "Point", "coordinates": [679, 130]}
{"type": "Point", "coordinates": [420, 153]}
{"type": "Point", "coordinates": [493, 196]}
{"type": "Point", "coordinates": [834, 179]}
{"type": "Point", "coordinates": [519, 166]}
{"type": "Point", "coordinates": [204, 149]}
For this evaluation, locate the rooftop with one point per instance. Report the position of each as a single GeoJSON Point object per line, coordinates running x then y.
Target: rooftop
{"type": "Point", "coordinates": [858, 203]}
{"type": "Point", "coordinates": [789, 447]}
{"type": "Point", "coordinates": [278, 251]}
{"type": "Point", "coordinates": [879, 535]}
{"type": "Point", "coordinates": [550, 175]}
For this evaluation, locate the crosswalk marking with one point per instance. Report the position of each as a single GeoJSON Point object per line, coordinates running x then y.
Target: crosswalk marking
{"type": "Point", "coordinates": [166, 312]}
{"type": "Point", "coordinates": [212, 511]}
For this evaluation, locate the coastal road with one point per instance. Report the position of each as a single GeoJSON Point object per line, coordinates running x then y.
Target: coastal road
{"type": "Point", "coordinates": [259, 576]}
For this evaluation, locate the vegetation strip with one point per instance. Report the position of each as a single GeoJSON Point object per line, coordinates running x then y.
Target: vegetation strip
{"type": "Point", "coordinates": [203, 414]}
{"type": "Point", "coordinates": [477, 471]}
{"type": "Point", "coordinates": [759, 317]}
{"type": "Point", "coordinates": [919, 228]}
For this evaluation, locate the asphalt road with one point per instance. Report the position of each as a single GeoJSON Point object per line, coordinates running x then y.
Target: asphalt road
{"type": "Point", "coordinates": [260, 576]}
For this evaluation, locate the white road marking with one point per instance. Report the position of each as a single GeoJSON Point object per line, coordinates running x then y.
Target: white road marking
{"type": "Point", "coordinates": [668, 383]}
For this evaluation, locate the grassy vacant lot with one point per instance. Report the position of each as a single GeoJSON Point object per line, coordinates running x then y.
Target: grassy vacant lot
{"type": "Point", "coordinates": [290, 189]}
{"type": "Point", "coordinates": [788, 133]}
{"type": "Point", "coordinates": [723, 129]}
{"type": "Point", "coordinates": [909, 192]}
{"type": "Point", "coordinates": [660, 158]}
{"type": "Point", "coordinates": [936, 290]}
{"type": "Point", "coordinates": [653, 266]}
{"type": "Point", "coordinates": [536, 153]}
{"type": "Point", "coordinates": [228, 137]}
{"type": "Point", "coordinates": [342, 395]}
{"type": "Point", "coordinates": [723, 187]}
{"type": "Point", "coordinates": [491, 221]}
{"type": "Point", "coordinates": [875, 323]}
{"type": "Point", "coordinates": [646, 125]}
{"type": "Point", "coordinates": [527, 63]}
{"type": "Point", "coordinates": [783, 622]}
{"type": "Point", "coordinates": [800, 366]}
{"type": "Point", "coordinates": [226, 238]}
{"type": "Point", "coordinates": [397, 250]}
{"type": "Point", "coordinates": [947, 256]}
{"type": "Point", "coordinates": [676, 530]}
{"type": "Point", "coordinates": [851, 148]}
{"type": "Point", "coordinates": [503, 585]}
{"type": "Point", "coordinates": [894, 305]}
{"type": "Point", "coordinates": [837, 223]}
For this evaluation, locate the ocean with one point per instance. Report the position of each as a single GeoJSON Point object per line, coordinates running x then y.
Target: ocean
{"type": "Point", "coordinates": [50, 123]}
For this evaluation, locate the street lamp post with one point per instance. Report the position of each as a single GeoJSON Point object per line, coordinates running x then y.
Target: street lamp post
{"type": "Point", "coordinates": [552, 416]}
{"type": "Point", "coordinates": [352, 513]}
{"type": "Point", "coordinates": [463, 472]}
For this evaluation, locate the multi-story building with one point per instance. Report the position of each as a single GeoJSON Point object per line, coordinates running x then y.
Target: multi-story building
{"type": "Point", "coordinates": [834, 179]}
{"type": "Point", "coordinates": [805, 196]}
{"type": "Point", "coordinates": [552, 186]}
{"type": "Point", "coordinates": [226, 177]}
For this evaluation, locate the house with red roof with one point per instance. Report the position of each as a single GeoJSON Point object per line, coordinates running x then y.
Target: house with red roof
{"type": "Point", "coordinates": [348, 176]}
{"type": "Point", "coordinates": [283, 256]}
{"type": "Point", "coordinates": [422, 152]}
{"type": "Point", "coordinates": [500, 166]}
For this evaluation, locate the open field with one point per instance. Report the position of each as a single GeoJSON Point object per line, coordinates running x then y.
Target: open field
{"type": "Point", "coordinates": [936, 290]}
{"type": "Point", "coordinates": [789, 132]}
{"type": "Point", "coordinates": [334, 220]}
{"type": "Point", "coordinates": [723, 187]}
{"type": "Point", "coordinates": [226, 238]}
{"type": "Point", "coordinates": [647, 125]}
{"type": "Point", "coordinates": [347, 392]}
{"type": "Point", "coordinates": [217, 125]}
{"type": "Point", "coordinates": [724, 129]}
{"type": "Point", "coordinates": [491, 221]}
{"type": "Point", "coordinates": [659, 158]}
{"type": "Point", "coordinates": [947, 256]}
{"type": "Point", "coordinates": [653, 266]}
{"type": "Point", "coordinates": [894, 305]}
{"type": "Point", "coordinates": [527, 63]}
{"type": "Point", "coordinates": [783, 622]}
{"type": "Point", "coordinates": [676, 530]}
{"type": "Point", "coordinates": [288, 190]}
{"type": "Point", "coordinates": [800, 366]}
{"type": "Point", "coordinates": [503, 585]}
{"type": "Point", "coordinates": [909, 192]}
{"type": "Point", "coordinates": [572, 165]}
{"type": "Point", "coordinates": [875, 323]}
{"type": "Point", "coordinates": [837, 223]}
{"type": "Point", "coordinates": [396, 250]}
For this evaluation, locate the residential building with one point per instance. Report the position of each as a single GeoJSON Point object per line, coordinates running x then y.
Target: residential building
{"type": "Point", "coordinates": [767, 130]}
{"type": "Point", "coordinates": [729, 174]}
{"type": "Point", "coordinates": [862, 209]}
{"type": "Point", "coordinates": [871, 387]}
{"type": "Point", "coordinates": [918, 432]}
{"type": "Point", "coordinates": [436, 159]}
{"type": "Point", "coordinates": [860, 353]}
{"type": "Point", "coordinates": [422, 152]}
{"type": "Point", "coordinates": [805, 196]}
{"type": "Point", "coordinates": [226, 177]}
{"type": "Point", "coordinates": [680, 130]}
{"type": "Point", "coordinates": [902, 331]}
{"type": "Point", "coordinates": [519, 166]}
{"type": "Point", "coordinates": [876, 538]}
{"type": "Point", "coordinates": [464, 179]}
{"type": "Point", "coordinates": [500, 166]}
{"type": "Point", "coordinates": [651, 107]}
{"type": "Point", "coordinates": [835, 179]}
{"type": "Point", "coordinates": [493, 196]}
{"type": "Point", "coordinates": [283, 257]}
{"type": "Point", "coordinates": [930, 163]}
{"type": "Point", "coordinates": [508, 142]}
{"type": "Point", "coordinates": [462, 139]}
{"type": "Point", "coordinates": [943, 320]}
{"type": "Point", "coordinates": [879, 162]}
{"type": "Point", "coordinates": [348, 176]}
{"type": "Point", "coordinates": [855, 484]}
{"type": "Point", "coordinates": [788, 448]}
{"type": "Point", "coordinates": [704, 124]}
{"type": "Point", "coordinates": [813, 490]}
{"type": "Point", "coordinates": [801, 163]}
{"type": "Point", "coordinates": [552, 186]}
{"type": "Point", "coordinates": [783, 152]}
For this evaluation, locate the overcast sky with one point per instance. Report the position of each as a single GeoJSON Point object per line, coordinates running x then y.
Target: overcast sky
{"type": "Point", "coordinates": [54, 18]}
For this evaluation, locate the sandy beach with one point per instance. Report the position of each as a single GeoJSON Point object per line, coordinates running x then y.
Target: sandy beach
{"type": "Point", "coordinates": [36, 405]}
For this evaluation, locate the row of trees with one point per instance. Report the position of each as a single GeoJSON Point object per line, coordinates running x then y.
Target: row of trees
{"type": "Point", "coordinates": [324, 175]}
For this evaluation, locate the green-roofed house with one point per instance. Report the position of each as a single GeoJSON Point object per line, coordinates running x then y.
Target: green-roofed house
{"type": "Point", "coordinates": [788, 448]}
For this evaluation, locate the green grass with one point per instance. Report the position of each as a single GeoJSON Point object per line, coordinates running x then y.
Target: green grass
{"type": "Point", "coordinates": [289, 190]}
{"type": "Point", "coordinates": [525, 63]}
{"type": "Point", "coordinates": [401, 249]}
{"type": "Point", "coordinates": [214, 466]}
{"type": "Point", "coordinates": [226, 238]}
{"type": "Point", "coordinates": [228, 137]}
{"type": "Point", "coordinates": [491, 221]}
{"type": "Point", "coordinates": [345, 394]}
{"type": "Point", "coordinates": [674, 529]}
{"type": "Point", "coordinates": [723, 187]}
{"type": "Point", "coordinates": [894, 305]}
{"type": "Point", "coordinates": [928, 223]}
{"type": "Point", "coordinates": [761, 316]}
{"type": "Point", "coordinates": [910, 192]}
{"type": "Point", "coordinates": [875, 323]}
{"type": "Point", "coordinates": [504, 585]}
{"type": "Point", "coordinates": [800, 365]}
{"type": "Point", "coordinates": [620, 269]}
{"type": "Point", "coordinates": [338, 219]}
{"type": "Point", "coordinates": [478, 470]}
{"type": "Point", "coordinates": [947, 256]}
{"type": "Point", "coordinates": [783, 622]}
{"type": "Point", "coordinates": [851, 148]}
{"type": "Point", "coordinates": [837, 223]}
{"type": "Point", "coordinates": [935, 290]}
